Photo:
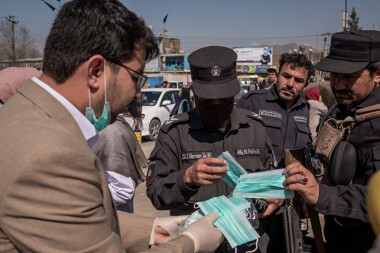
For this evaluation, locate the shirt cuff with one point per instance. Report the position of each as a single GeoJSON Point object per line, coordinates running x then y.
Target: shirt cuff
{"type": "Point", "coordinates": [325, 200]}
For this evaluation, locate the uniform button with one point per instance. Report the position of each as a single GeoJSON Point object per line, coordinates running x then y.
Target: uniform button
{"type": "Point", "coordinates": [325, 207]}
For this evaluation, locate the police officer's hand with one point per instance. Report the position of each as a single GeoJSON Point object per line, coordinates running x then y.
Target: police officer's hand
{"type": "Point", "coordinates": [301, 180]}
{"type": "Point", "coordinates": [273, 204]}
{"type": "Point", "coordinates": [204, 172]}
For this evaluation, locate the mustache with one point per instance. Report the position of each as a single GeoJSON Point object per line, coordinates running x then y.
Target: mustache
{"type": "Point", "coordinates": [286, 89]}
{"type": "Point", "coordinates": [342, 92]}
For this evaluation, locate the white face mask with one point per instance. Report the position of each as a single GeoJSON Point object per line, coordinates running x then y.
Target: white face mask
{"type": "Point", "coordinates": [105, 118]}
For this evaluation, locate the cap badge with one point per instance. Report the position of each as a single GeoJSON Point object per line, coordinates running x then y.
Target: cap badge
{"type": "Point", "coordinates": [215, 71]}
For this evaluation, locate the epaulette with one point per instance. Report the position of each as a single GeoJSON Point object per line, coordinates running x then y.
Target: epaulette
{"type": "Point", "coordinates": [257, 117]}
{"type": "Point", "coordinates": [175, 120]}
{"type": "Point", "coordinates": [254, 92]}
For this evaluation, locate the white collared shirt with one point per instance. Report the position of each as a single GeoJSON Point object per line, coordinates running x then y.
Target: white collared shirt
{"type": "Point", "coordinates": [85, 126]}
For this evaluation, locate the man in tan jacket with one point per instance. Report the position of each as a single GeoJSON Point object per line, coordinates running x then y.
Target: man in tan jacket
{"type": "Point", "coordinates": [53, 193]}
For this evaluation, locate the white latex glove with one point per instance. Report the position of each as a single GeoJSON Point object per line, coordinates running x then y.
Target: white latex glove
{"type": "Point", "coordinates": [160, 224]}
{"type": "Point", "coordinates": [206, 237]}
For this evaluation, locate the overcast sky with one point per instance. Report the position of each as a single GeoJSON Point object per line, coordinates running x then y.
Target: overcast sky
{"type": "Point", "coordinates": [230, 23]}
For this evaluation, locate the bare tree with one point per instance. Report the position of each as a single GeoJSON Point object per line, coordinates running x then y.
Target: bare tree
{"type": "Point", "coordinates": [24, 44]}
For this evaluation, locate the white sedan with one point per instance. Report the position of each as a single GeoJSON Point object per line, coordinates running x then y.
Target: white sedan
{"type": "Point", "coordinates": [157, 103]}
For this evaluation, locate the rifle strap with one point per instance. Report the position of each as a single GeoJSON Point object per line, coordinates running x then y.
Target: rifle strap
{"type": "Point", "coordinates": [316, 227]}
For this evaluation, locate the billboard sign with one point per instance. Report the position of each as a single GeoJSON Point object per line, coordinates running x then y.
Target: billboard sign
{"type": "Point", "coordinates": [254, 55]}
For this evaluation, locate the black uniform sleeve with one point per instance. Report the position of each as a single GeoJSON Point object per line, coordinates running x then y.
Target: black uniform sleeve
{"type": "Point", "coordinates": [343, 201]}
{"type": "Point", "coordinates": [166, 188]}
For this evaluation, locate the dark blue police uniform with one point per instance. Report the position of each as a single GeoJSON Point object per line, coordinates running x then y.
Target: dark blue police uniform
{"type": "Point", "coordinates": [287, 128]}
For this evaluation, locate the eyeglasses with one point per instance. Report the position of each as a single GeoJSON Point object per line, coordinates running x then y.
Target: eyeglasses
{"type": "Point", "coordinates": [142, 78]}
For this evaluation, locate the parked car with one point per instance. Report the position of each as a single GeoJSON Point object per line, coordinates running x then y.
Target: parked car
{"type": "Point", "coordinates": [157, 104]}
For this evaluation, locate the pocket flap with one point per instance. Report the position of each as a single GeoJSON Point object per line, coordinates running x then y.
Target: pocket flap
{"type": "Point", "coordinates": [302, 127]}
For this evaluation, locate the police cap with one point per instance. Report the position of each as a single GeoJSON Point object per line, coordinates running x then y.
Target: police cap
{"type": "Point", "coordinates": [213, 70]}
{"type": "Point", "coordinates": [351, 51]}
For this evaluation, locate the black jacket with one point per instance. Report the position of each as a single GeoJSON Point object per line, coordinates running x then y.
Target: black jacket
{"type": "Point", "coordinates": [287, 128]}
{"type": "Point", "coordinates": [184, 139]}
{"type": "Point", "coordinates": [347, 225]}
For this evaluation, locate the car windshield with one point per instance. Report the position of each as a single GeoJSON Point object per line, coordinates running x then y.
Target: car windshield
{"type": "Point", "coordinates": [150, 98]}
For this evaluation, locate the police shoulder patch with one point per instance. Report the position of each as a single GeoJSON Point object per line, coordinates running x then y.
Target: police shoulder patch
{"type": "Point", "coordinates": [151, 170]}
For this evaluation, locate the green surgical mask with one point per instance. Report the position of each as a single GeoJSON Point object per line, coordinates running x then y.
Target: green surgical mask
{"type": "Point", "coordinates": [266, 185]}
{"type": "Point", "coordinates": [234, 226]}
{"type": "Point", "coordinates": [235, 170]}
{"type": "Point", "coordinates": [105, 118]}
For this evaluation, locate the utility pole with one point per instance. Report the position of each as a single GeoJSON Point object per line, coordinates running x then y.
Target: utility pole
{"type": "Point", "coordinates": [345, 16]}
{"type": "Point", "coordinates": [13, 22]}
{"type": "Point", "coordinates": [326, 39]}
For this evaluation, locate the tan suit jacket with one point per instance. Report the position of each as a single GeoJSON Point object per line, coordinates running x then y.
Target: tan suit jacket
{"type": "Point", "coordinates": [53, 193]}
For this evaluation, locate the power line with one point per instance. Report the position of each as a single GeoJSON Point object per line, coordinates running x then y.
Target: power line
{"type": "Point", "coordinates": [249, 38]}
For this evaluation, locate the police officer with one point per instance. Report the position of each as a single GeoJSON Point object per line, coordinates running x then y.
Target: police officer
{"type": "Point", "coordinates": [286, 116]}
{"type": "Point", "coordinates": [354, 66]}
{"type": "Point", "coordinates": [284, 111]}
{"type": "Point", "coordinates": [186, 169]}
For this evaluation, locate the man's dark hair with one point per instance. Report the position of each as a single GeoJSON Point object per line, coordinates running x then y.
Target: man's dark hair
{"type": "Point", "coordinates": [84, 28]}
{"type": "Point", "coordinates": [297, 61]}
{"type": "Point", "coordinates": [373, 67]}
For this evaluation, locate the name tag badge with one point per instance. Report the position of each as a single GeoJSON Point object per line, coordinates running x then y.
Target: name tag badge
{"type": "Point", "coordinates": [269, 113]}
{"type": "Point", "coordinates": [301, 119]}
{"type": "Point", "coordinates": [247, 152]}
{"type": "Point", "coordinates": [196, 155]}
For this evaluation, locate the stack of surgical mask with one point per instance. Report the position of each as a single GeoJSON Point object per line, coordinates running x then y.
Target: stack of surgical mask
{"type": "Point", "coordinates": [235, 170]}
{"type": "Point", "coordinates": [236, 218]}
{"type": "Point", "coordinates": [266, 185]}
{"type": "Point", "coordinates": [238, 215]}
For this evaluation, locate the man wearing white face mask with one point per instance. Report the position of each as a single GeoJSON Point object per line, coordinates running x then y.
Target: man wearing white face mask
{"type": "Point", "coordinates": [53, 192]}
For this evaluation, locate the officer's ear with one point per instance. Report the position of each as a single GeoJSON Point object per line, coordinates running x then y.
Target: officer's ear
{"type": "Point", "coordinates": [376, 76]}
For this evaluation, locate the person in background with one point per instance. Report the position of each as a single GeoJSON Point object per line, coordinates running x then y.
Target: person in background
{"type": "Point", "coordinates": [270, 80]}
{"type": "Point", "coordinates": [317, 109]}
{"type": "Point", "coordinates": [164, 84]}
{"type": "Point", "coordinates": [11, 80]}
{"type": "Point", "coordinates": [184, 102]}
{"type": "Point", "coordinates": [53, 193]}
{"type": "Point", "coordinates": [123, 161]}
{"type": "Point", "coordinates": [132, 114]}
